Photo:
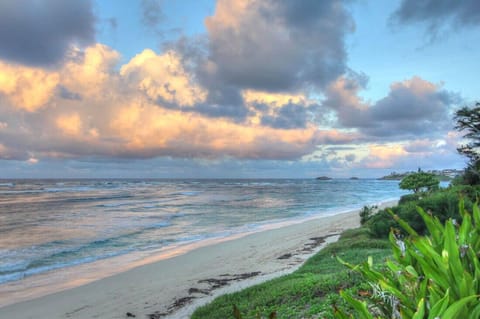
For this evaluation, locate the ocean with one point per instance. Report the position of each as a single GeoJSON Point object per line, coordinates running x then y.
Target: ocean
{"type": "Point", "coordinates": [50, 228]}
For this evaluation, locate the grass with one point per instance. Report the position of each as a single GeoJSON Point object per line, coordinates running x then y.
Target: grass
{"type": "Point", "coordinates": [309, 292]}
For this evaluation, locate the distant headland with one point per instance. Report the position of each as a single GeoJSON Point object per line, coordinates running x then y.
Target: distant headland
{"type": "Point", "coordinates": [442, 175]}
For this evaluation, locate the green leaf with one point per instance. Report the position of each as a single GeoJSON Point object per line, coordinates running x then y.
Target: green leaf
{"type": "Point", "coordinates": [456, 308]}
{"type": "Point", "coordinates": [403, 224]}
{"type": "Point", "coordinates": [435, 229]}
{"type": "Point", "coordinates": [439, 307]}
{"type": "Point", "coordinates": [465, 228]}
{"type": "Point", "coordinates": [475, 313]}
{"type": "Point", "coordinates": [420, 310]}
{"type": "Point", "coordinates": [476, 215]}
{"type": "Point", "coordinates": [360, 307]}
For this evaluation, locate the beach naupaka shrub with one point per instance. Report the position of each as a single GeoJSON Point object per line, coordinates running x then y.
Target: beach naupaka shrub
{"type": "Point", "coordinates": [434, 276]}
{"type": "Point", "coordinates": [443, 204]}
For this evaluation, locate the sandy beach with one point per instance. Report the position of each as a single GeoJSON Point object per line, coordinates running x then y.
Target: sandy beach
{"type": "Point", "coordinates": [173, 288]}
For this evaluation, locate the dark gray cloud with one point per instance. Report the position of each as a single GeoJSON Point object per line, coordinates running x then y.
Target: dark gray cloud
{"type": "Point", "coordinates": [412, 108]}
{"type": "Point", "coordinates": [291, 116]}
{"type": "Point", "coordinates": [39, 33]}
{"type": "Point", "coordinates": [280, 45]}
{"type": "Point", "coordinates": [406, 111]}
{"type": "Point", "coordinates": [438, 14]}
{"type": "Point", "coordinates": [275, 46]}
{"type": "Point", "coordinates": [65, 93]}
{"type": "Point", "coordinates": [222, 99]}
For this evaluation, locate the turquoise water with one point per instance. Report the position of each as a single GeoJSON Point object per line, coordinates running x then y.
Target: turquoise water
{"type": "Point", "coordinates": [48, 225]}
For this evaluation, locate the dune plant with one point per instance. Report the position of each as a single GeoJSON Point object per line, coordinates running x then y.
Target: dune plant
{"type": "Point", "coordinates": [434, 276]}
{"type": "Point", "coordinates": [367, 212]}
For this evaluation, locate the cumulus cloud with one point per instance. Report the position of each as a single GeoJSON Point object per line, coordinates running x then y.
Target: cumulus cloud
{"type": "Point", "coordinates": [91, 71]}
{"type": "Point", "coordinates": [27, 88]}
{"type": "Point", "coordinates": [163, 79]}
{"type": "Point", "coordinates": [268, 81]}
{"type": "Point", "coordinates": [413, 107]}
{"type": "Point", "coordinates": [40, 33]}
{"type": "Point", "coordinates": [281, 110]}
{"type": "Point", "coordinates": [127, 112]}
{"type": "Point", "coordinates": [277, 45]}
{"type": "Point", "coordinates": [70, 124]}
{"type": "Point", "coordinates": [438, 14]}
{"type": "Point", "coordinates": [266, 46]}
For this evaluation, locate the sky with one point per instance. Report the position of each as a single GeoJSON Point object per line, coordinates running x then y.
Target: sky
{"type": "Point", "coordinates": [234, 88]}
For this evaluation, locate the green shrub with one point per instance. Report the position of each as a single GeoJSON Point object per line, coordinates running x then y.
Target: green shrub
{"type": "Point", "coordinates": [429, 277]}
{"type": "Point", "coordinates": [466, 191]}
{"type": "Point", "coordinates": [366, 213]}
{"type": "Point", "coordinates": [443, 204]}
{"type": "Point", "coordinates": [408, 198]}
{"type": "Point", "coordinates": [380, 224]}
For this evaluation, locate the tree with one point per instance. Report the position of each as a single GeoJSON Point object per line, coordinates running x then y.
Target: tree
{"type": "Point", "coordinates": [468, 119]}
{"type": "Point", "coordinates": [419, 181]}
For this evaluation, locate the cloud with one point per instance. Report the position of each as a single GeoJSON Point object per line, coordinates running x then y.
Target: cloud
{"type": "Point", "coordinates": [70, 124]}
{"type": "Point", "coordinates": [163, 79]}
{"type": "Point", "coordinates": [427, 153]}
{"type": "Point", "coordinates": [92, 71]}
{"type": "Point", "coordinates": [148, 108]}
{"type": "Point", "coordinates": [32, 161]}
{"type": "Point", "coordinates": [438, 14]}
{"type": "Point", "coordinates": [277, 45]}
{"type": "Point", "coordinates": [27, 88]}
{"type": "Point", "coordinates": [40, 33]}
{"type": "Point", "coordinates": [412, 108]}
{"type": "Point", "coordinates": [152, 13]}
{"type": "Point", "coordinates": [150, 131]}
{"type": "Point", "coordinates": [65, 93]}
{"type": "Point", "coordinates": [281, 110]}
{"type": "Point", "coordinates": [262, 46]}
{"type": "Point", "coordinates": [384, 156]}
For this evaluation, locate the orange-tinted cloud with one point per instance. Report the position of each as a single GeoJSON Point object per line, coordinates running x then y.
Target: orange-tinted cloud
{"type": "Point", "coordinates": [94, 107]}
{"type": "Point", "coordinates": [27, 88]}
{"type": "Point", "coordinates": [70, 124]}
{"type": "Point", "coordinates": [91, 73]}
{"type": "Point", "coordinates": [163, 77]}
{"type": "Point", "coordinates": [148, 129]}
{"type": "Point", "coordinates": [384, 156]}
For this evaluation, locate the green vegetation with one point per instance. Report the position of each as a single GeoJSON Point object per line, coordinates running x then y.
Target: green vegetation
{"type": "Point", "coordinates": [434, 271]}
{"type": "Point", "coordinates": [310, 291]}
{"type": "Point", "coordinates": [366, 213]}
{"type": "Point", "coordinates": [443, 175]}
{"type": "Point", "coordinates": [443, 203]}
{"type": "Point", "coordinates": [394, 176]}
{"type": "Point", "coordinates": [435, 276]}
{"type": "Point", "coordinates": [322, 285]}
{"type": "Point", "coordinates": [468, 120]}
{"type": "Point", "coordinates": [420, 182]}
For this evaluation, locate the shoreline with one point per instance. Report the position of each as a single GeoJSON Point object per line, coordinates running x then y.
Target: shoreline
{"type": "Point", "coordinates": [174, 287]}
